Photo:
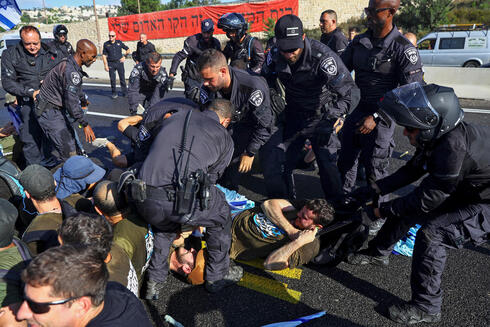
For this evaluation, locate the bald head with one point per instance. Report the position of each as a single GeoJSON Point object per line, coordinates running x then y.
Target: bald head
{"type": "Point", "coordinates": [412, 38]}
{"type": "Point", "coordinates": [86, 52]}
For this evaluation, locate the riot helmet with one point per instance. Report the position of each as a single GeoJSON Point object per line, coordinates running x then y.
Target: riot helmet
{"type": "Point", "coordinates": [433, 109]}
{"type": "Point", "coordinates": [233, 22]}
{"type": "Point", "coordinates": [59, 30]}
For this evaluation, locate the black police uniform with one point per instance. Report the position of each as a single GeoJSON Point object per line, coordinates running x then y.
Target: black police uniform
{"type": "Point", "coordinates": [253, 123]}
{"type": "Point", "coordinates": [22, 74]}
{"type": "Point", "coordinates": [194, 45]}
{"type": "Point", "coordinates": [247, 55]}
{"type": "Point", "coordinates": [143, 50]}
{"type": "Point", "coordinates": [113, 51]}
{"type": "Point", "coordinates": [64, 49]}
{"type": "Point", "coordinates": [142, 136]}
{"type": "Point", "coordinates": [59, 106]}
{"type": "Point", "coordinates": [335, 40]}
{"type": "Point", "coordinates": [452, 203]}
{"type": "Point", "coordinates": [144, 88]}
{"type": "Point", "coordinates": [208, 146]}
{"type": "Point", "coordinates": [380, 65]}
{"type": "Point", "coordinates": [319, 90]}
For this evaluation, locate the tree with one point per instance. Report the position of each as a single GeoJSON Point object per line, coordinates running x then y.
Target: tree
{"type": "Point", "coordinates": [25, 18]}
{"type": "Point", "coordinates": [423, 15]}
{"type": "Point", "coordinates": [130, 7]}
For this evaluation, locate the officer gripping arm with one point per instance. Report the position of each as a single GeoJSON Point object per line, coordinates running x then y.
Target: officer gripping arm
{"type": "Point", "coordinates": [190, 45]}
{"type": "Point", "coordinates": [135, 97]}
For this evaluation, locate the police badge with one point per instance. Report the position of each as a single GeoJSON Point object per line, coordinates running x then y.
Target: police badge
{"type": "Point", "coordinates": [75, 78]}
{"type": "Point", "coordinates": [329, 66]}
{"type": "Point", "coordinates": [412, 55]}
{"type": "Point", "coordinates": [256, 98]}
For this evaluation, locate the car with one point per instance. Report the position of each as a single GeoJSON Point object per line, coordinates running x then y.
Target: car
{"type": "Point", "coordinates": [10, 40]}
{"type": "Point", "coordinates": [458, 45]}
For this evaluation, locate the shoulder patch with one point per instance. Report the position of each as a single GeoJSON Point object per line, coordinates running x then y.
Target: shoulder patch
{"type": "Point", "coordinates": [329, 66]}
{"type": "Point", "coordinates": [203, 96]}
{"type": "Point", "coordinates": [256, 98]}
{"type": "Point", "coordinates": [269, 58]}
{"type": "Point", "coordinates": [143, 134]}
{"type": "Point", "coordinates": [75, 78]}
{"type": "Point", "coordinates": [412, 55]}
{"type": "Point", "coordinates": [135, 72]}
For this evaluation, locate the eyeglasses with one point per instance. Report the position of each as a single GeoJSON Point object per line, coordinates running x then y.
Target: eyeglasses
{"type": "Point", "coordinates": [373, 11]}
{"type": "Point", "coordinates": [43, 307]}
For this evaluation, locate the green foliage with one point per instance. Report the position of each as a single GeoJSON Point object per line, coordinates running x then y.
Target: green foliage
{"type": "Point", "coordinates": [25, 18]}
{"type": "Point", "coordinates": [269, 27]}
{"type": "Point", "coordinates": [467, 15]}
{"type": "Point", "coordinates": [130, 7]}
{"type": "Point", "coordinates": [174, 4]}
{"type": "Point", "coordinates": [423, 15]}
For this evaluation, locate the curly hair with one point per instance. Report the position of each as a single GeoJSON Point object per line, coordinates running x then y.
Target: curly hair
{"type": "Point", "coordinates": [322, 209]}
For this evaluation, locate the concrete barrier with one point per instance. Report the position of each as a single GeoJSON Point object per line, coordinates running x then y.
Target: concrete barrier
{"type": "Point", "coordinates": [468, 83]}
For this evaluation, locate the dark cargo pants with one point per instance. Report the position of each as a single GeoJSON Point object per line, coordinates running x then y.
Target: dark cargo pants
{"type": "Point", "coordinates": [450, 227]}
{"type": "Point", "coordinates": [157, 211]}
{"type": "Point", "coordinates": [55, 126]}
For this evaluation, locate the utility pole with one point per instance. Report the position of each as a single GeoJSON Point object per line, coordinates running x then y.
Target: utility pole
{"type": "Point", "coordinates": [44, 13]}
{"type": "Point", "coordinates": [139, 10]}
{"type": "Point", "coordinates": [98, 29]}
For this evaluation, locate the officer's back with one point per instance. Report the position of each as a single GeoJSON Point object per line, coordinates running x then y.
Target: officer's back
{"type": "Point", "coordinates": [206, 141]}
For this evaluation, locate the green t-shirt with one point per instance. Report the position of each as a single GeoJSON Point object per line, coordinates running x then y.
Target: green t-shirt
{"type": "Point", "coordinates": [255, 236]}
{"type": "Point", "coordinates": [10, 288]}
{"type": "Point", "coordinates": [134, 237]}
{"type": "Point", "coordinates": [121, 269]}
{"type": "Point", "coordinates": [42, 232]}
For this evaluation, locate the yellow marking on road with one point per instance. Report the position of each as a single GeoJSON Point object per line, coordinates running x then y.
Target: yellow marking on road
{"type": "Point", "coordinates": [294, 273]}
{"type": "Point", "coordinates": [269, 287]}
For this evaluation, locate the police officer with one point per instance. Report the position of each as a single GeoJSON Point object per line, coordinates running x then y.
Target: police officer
{"type": "Point", "coordinates": [190, 144]}
{"type": "Point", "coordinates": [331, 35]}
{"type": "Point", "coordinates": [60, 42]}
{"type": "Point", "coordinates": [148, 83]}
{"type": "Point", "coordinates": [60, 101]}
{"type": "Point", "coordinates": [319, 92]}
{"type": "Point", "coordinates": [114, 61]}
{"type": "Point", "coordinates": [193, 47]}
{"type": "Point", "coordinates": [451, 202]}
{"type": "Point", "coordinates": [142, 136]}
{"type": "Point", "coordinates": [24, 66]}
{"type": "Point", "coordinates": [253, 122]}
{"type": "Point", "coordinates": [243, 50]}
{"type": "Point", "coordinates": [143, 49]}
{"type": "Point", "coordinates": [382, 60]}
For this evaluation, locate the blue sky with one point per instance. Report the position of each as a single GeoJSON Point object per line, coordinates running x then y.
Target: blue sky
{"type": "Point", "coordinates": [26, 4]}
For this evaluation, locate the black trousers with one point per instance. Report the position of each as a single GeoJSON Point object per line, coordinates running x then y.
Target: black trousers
{"type": "Point", "coordinates": [55, 126]}
{"type": "Point", "coordinates": [119, 67]}
{"type": "Point", "coordinates": [157, 211]}
{"type": "Point", "coordinates": [449, 227]}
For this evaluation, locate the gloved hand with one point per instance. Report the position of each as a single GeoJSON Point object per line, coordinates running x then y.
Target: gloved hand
{"type": "Point", "coordinates": [100, 142]}
{"type": "Point", "coordinates": [194, 95]}
{"type": "Point", "coordinates": [364, 194]}
{"type": "Point", "coordinates": [170, 82]}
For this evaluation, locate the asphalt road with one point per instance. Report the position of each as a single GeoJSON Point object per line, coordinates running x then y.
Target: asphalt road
{"type": "Point", "coordinates": [350, 295]}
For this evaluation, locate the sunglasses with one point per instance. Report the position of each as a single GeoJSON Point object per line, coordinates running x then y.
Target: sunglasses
{"type": "Point", "coordinates": [43, 307]}
{"type": "Point", "coordinates": [112, 35]}
{"type": "Point", "coordinates": [373, 11]}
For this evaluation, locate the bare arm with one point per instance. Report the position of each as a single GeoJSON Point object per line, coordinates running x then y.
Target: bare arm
{"type": "Point", "coordinates": [128, 121]}
{"type": "Point", "coordinates": [273, 209]}
{"type": "Point", "coordinates": [279, 259]}
{"type": "Point", "coordinates": [118, 159]}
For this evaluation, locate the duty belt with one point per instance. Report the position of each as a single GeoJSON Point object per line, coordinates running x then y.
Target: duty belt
{"type": "Point", "coordinates": [161, 192]}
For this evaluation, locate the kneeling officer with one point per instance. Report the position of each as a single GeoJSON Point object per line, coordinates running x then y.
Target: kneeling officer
{"type": "Point", "coordinates": [188, 155]}
{"type": "Point", "coordinates": [451, 203]}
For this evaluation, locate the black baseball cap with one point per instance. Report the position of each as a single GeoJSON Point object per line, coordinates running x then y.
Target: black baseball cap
{"type": "Point", "coordinates": [207, 26]}
{"type": "Point", "coordinates": [289, 33]}
{"type": "Point", "coordinates": [38, 181]}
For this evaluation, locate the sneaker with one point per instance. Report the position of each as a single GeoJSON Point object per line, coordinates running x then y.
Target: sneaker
{"type": "Point", "coordinates": [409, 314]}
{"type": "Point", "coordinates": [360, 259]}
{"type": "Point", "coordinates": [235, 273]}
{"type": "Point", "coordinates": [153, 289]}
{"type": "Point", "coordinates": [114, 96]}
{"type": "Point", "coordinates": [376, 226]}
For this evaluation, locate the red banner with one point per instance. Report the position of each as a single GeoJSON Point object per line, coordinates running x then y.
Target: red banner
{"type": "Point", "coordinates": [187, 21]}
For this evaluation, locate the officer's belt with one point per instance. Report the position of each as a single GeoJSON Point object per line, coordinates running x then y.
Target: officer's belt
{"type": "Point", "coordinates": [161, 192]}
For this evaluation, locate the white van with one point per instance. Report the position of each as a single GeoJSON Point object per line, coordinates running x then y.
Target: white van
{"type": "Point", "coordinates": [11, 39]}
{"type": "Point", "coordinates": [456, 45]}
